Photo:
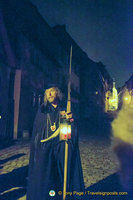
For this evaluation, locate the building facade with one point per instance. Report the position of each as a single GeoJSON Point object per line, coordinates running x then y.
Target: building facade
{"type": "Point", "coordinates": [126, 93]}
{"type": "Point", "coordinates": [37, 55]}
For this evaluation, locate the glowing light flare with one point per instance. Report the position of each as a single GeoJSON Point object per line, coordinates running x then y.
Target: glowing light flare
{"type": "Point", "coordinates": [65, 131]}
{"type": "Point", "coordinates": [127, 99]}
{"type": "Point", "coordinates": [111, 102]}
{"type": "Point", "coordinates": [69, 129]}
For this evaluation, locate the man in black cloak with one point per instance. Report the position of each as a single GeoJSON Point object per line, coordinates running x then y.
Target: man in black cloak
{"type": "Point", "coordinates": [46, 165]}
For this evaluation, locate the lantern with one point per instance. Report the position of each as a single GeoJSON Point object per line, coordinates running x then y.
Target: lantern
{"type": "Point", "coordinates": [65, 128]}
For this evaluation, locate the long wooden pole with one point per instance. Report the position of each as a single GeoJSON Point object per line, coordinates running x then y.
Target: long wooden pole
{"type": "Point", "coordinates": [66, 141]}
{"type": "Point", "coordinates": [65, 170]}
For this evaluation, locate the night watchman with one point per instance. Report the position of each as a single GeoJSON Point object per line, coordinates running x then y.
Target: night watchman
{"type": "Point", "coordinates": [46, 168]}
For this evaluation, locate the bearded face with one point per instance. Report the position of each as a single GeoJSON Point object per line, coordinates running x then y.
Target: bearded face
{"type": "Point", "coordinates": [51, 95]}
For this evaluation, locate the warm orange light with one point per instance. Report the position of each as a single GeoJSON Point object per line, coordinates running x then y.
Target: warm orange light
{"type": "Point", "coordinates": [69, 129]}
{"type": "Point", "coordinates": [65, 131]}
{"type": "Point", "coordinates": [126, 98]}
{"type": "Point", "coordinates": [111, 100]}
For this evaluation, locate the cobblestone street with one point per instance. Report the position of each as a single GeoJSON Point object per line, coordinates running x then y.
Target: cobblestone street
{"type": "Point", "coordinates": [97, 157]}
{"type": "Point", "coordinates": [98, 160]}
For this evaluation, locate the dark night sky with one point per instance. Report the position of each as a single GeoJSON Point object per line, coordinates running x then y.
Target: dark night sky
{"type": "Point", "coordinates": [102, 28]}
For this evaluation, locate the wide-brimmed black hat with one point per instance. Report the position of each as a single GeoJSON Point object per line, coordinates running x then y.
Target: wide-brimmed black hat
{"type": "Point", "coordinates": [51, 85]}
{"type": "Point", "coordinates": [59, 86]}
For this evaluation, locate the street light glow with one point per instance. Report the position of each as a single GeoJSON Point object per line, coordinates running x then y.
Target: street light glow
{"type": "Point", "coordinates": [126, 98]}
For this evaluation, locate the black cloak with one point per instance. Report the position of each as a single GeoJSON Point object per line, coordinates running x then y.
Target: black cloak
{"type": "Point", "coordinates": [46, 165]}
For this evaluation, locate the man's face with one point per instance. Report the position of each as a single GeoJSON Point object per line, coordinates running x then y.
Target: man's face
{"type": "Point", "coordinates": [51, 95]}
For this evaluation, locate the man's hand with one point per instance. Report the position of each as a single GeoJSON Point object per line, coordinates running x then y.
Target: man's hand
{"type": "Point", "coordinates": [68, 116]}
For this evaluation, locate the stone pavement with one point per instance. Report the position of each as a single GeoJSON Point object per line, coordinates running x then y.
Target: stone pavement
{"type": "Point", "coordinates": [97, 157]}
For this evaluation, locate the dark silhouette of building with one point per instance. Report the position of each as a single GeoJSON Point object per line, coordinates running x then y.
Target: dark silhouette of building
{"type": "Point", "coordinates": [129, 83]}
{"type": "Point", "coordinates": [94, 78]}
{"type": "Point", "coordinates": [33, 55]}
